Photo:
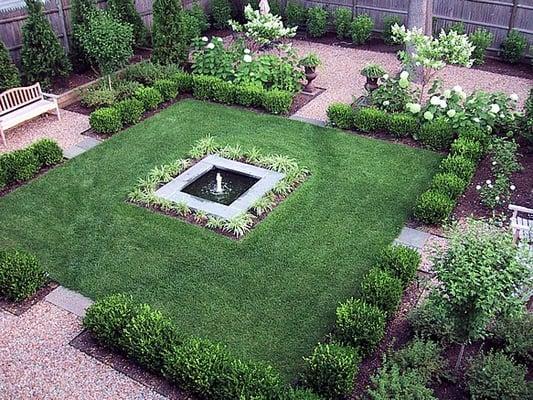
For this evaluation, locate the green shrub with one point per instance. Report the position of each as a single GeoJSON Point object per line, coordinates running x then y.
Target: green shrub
{"type": "Point", "coordinates": [343, 20]}
{"type": "Point", "coordinates": [9, 74]}
{"type": "Point", "coordinates": [495, 376]}
{"type": "Point", "coordinates": [167, 88]}
{"type": "Point", "coordinates": [277, 101]}
{"type": "Point", "coordinates": [106, 120]}
{"type": "Point", "coordinates": [388, 22]}
{"type": "Point", "coordinates": [144, 72]}
{"type": "Point", "coordinates": [221, 13]}
{"type": "Point", "coordinates": [149, 96]}
{"type": "Point", "coordinates": [433, 207]}
{"type": "Point", "coordinates": [370, 119]}
{"type": "Point", "coordinates": [125, 11]}
{"type": "Point", "coordinates": [437, 134]}
{"type": "Point", "coordinates": [169, 32]}
{"type": "Point", "coordinates": [341, 115]}
{"type": "Point", "coordinates": [400, 261]}
{"type": "Point", "coordinates": [20, 275]}
{"type": "Point", "coordinates": [361, 28]}
{"type": "Point", "coordinates": [203, 87]}
{"type": "Point", "coordinates": [475, 134]}
{"type": "Point", "coordinates": [317, 19]}
{"type": "Point", "coordinates": [147, 335]}
{"type": "Point", "coordinates": [449, 184]}
{"type": "Point", "coordinates": [431, 320]}
{"type": "Point", "coordinates": [331, 369]}
{"type": "Point", "coordinates": [382, 289]}
{"type": "Point", "coordinates": [514, 332]}
{"type": "Point", "coordinates": [47, 152]}
{"type": "Point", "coordinates": [224, 92]}
{"type": "Point", "coordinates": [513, 47]}
{"type": "Point", "coordinates": [19, 165]}
{"type": "Point", "coordinates": [197, 11]}
{"type": "Point", "coordinates": [467, 148]}
{"type": "Point", "coordinates": [125, 89]}
{"type": "Point", "coordinates": [130, 110]}
{"type": "Point", "coordinates": [296, 13]}
{"type": "Point", "coordinates": [301, 394]}
{"type": "Point", "coordinates": [37, 64]}
{"type": "Point", "coordinates": [422, 356]}
{"type": "Point", "coordinates": [99, 97]}
{"type": "Point", "coordinates": [458, 165]}
{"type": "Point", "coordinates": [80, 11]}
{"type": "Point", "coordinates": [402, 125]}
{"type": "Point", "coordinates": [481, 39]}
{"type": "Point", "coordinates": [249, 95]}
{"type": "Point", "coordinates": [391, 383]}
{"type": "Point", "coordinates": [183, 80]}
{"type": "Point", "coordinates": [359, 324]}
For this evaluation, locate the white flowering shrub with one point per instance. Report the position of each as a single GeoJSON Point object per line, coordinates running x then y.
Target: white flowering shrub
{"type": "Point", "coordinates": [212, 58]}
{"type": "Point", "coordinates": [393, 93]}
{"type": "Point", "coordinates": [263, 29]}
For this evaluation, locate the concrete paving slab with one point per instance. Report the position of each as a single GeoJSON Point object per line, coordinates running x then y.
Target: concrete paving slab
{"type": "Point", "coordinates": [69, 300]}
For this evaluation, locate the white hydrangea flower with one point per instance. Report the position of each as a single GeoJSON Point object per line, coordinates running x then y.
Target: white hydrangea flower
{"type": "Point", "coordinates": [497, 198]}
{"type": "Point", "coordinates": [502, 115]}
{"type": "Point", "coordinates": [246, 51]}
{"type": "Point", "coordinates": [490, 185]}
{"type": "Point", "coordinates": [211, 46]}
{"type": "Point", "coordinates": [478, 187]}
{"type": "Point", "coordinates": [451, 113]}
{"type": "Point", "coordinates": [512, 187]}
{"type": "Point", "coordinates": [428, 115]}
{"type": "Point", "coordinates": [476, 120]}
{"type": "Point", "coordinates": [443, 104]}
{"type": "Point", "coordinates": [219, 39]}
{"type": "Point", "coordinates": [386, 103]}
{"type": "Point", "coordinates": [494, 163]}
{"type": "Point", "coordinates": [514, 97]}
{"type": "Point", "coordinates": [247, 58]}
{"type": "Point", "coordinates": [494, 108]}
{"type": "Point", "coordinates": [447, 93]}
{"type": "Point", "coordinates": [463, 95]}
{"type": "Point", "coordinates": [404, 75]}
{"type": "Point", "coordinates": [385, 77]}
{"type": "Point", "coordinates": [457, 89]}
{"type": "Point", "coordinates": [415, 108]}
{"type": "Point", "coordinates": [435, 101]}
{"type": "Point", "coordinates": [205, 39]}
{"type": "Point", "coordinates": [488, 181]}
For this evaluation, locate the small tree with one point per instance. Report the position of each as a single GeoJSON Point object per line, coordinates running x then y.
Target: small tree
{"type": "Point", "coordinates": [79, 17]}
{"type": "Point", "coordinates": [169, 36]}
{"type": "Point", "coordinates": [481, 274]}
{"type": "Point", "coordinates": [9, 74]}
{"type": "Point", "coordinates": [124, 10]}
{"type": "Point", "coordinates": [43, 57]}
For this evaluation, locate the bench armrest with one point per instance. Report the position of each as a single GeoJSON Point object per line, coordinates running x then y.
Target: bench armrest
{"type": "Point", "coordinates": [51, 96]}
{"type": "Point", "coordinates": [520, 209]}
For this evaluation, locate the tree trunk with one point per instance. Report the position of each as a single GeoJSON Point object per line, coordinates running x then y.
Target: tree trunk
{"type": "Point", "coordinates": [419, 15]}
{"type": "Point", "coordinates": [460, 356]}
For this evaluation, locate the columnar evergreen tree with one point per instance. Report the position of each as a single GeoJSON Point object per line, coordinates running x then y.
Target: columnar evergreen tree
{"type": "Point", "coordinates": [124, 10]}
{"type": "Point", "coordinates": [79, 17]}
{"type": "Point", "coordinates": [43, 57]}
{"type": "Point", "coordinates": [9, 75]}
{"type": "Point", "coordinates": [168, 34]}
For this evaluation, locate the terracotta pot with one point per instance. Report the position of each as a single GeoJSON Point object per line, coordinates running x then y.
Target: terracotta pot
{"type": "Point", "coordinates": [371, 84]}
{"type": "Point", "coordinates": [310, 75]}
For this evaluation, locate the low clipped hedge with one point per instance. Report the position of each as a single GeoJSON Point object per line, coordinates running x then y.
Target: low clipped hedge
{"type": "Point", "coordinates": [21, 275]}
{"type": "Point", "coordinates": [401, 262]}
{"type": "Point", "coordinates": [433, 207]}
{"type": "Point", "coordinates": [382, 289]}
{"type": "Point", "coordinates": [22, 165]}
{"type": "Point", "coordinates": [204, 368]}
{"type": "Point", "coordinates": [106, 120]}
{"type": "Point", "coordinates": [437, 134]}
{"type": "Point", "coordinates": [448, 184]}
{"type": "Point", "coordinates": [130, 111]}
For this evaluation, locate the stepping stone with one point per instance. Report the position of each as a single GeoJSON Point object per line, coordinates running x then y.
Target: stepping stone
{"type": "Point", "coordinates": [412, 238]}
{"type": "Point", "coordinates": [73, 151]}
{"type": "Point", "coordinates": [88, 143]}
{"type": "Point", "coordinates": [69, 300]}
{"type": "Point", "coordinates": [311, 121]}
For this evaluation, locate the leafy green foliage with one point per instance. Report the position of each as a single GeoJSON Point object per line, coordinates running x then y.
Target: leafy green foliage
{"type": "Point", "coordinates": [106, 41]}
{"type": "Point", "coordinates": [42, 57]}
{"type": "Point", "coordinates": [431, 320]}
{"type": "Point", "coordinates": [401, 261]}
{"type": "Point", "coordinates": [80, 12]}
{"type": "Point", "coordinates": [361, 28]}
{"type": "Point", "coordinates": [433, 207]}
{"type": "Point", "coordinates": [513, 47]}
{"type": "Point", "coordinates": [448, 184]}
{"type": "Point", "coordinates": [19, 165]}
{"type": "Point", "coordinates": [331, 369]}
{"type": "Point", "coordinates": [277, 101]}
{"type": "Point", "coordinates": [421, 356]}
{"type": "Point", "coordinates": [168, 33]}
{"type": "Point", "coordinates": [359, 324]}
{"type": "Point", "coordinates": [467, 148]}
{"type": "Point", "coordinates": [382, 289]}
{"type": "Point", "coordinates": [21, 275]}
{"type": "Point", "coordinates": [47, 152]}
{"type": "Point", "coordinates": [99, 97]}
{"type": "Point", "coordinates": [9, 74]}
{"type": "Point", "coordinates": [437, 134]}
{"type": "Point", "coordinates": [149, 96]}
{"type": "Point", "coordinates": [341, 115]}
{"type": "Point", "coordinates": [249, 95]}
{"type": "Point", "coordinates": [221, 13]}
{"type": "Point", "coordinates": [296, 13]}
{"type": "Point", "coordinates": [124, 11]}
{"type": "Point", "coordinates": [495, 376]}
{"type": "Point", "coordinates": [168, 88]}
{"type": "Point", "coordinates": [199, 14]}
{"type": "Point", "coordinates": [460, 166]}
{"type": "Point", "coordinates": [514, 332]}
{"type": "Point", "coordinates": [402, 125]}
{"type": "Point", "coordinates": [370, 119]}
{"type": "Point", "coordinates": [526, 122]}
{"type": "Point", "coordinates": [106, 120]}
{"type": "Point", "coordinates": [130, 110]}
{"type": "Point", "coordinates": [393, 94]}
{"type": "Point", "coordinates": [481, 38]}
{"type": "Point", "coordinates": [343, 19]}
{"type": "Point", "coordinates": [388, 22]}
{"type": "Point", "coordinates": [392, 383]}
{"type": "Point", "coordinates": [317, 19]}
{"type": "Point", "coordinates": [183, 80]}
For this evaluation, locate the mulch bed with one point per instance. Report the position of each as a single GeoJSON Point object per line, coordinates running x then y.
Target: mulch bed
{"type": "Point", "coordinates": [86, 343]}
{"type": "Point", "coordinates": [19, 308]}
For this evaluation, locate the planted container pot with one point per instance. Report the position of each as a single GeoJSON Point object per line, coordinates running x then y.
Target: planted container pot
{"type": "Point", "coordinates": [372, 72]}
{"type": "Point", "coordinates": [310, 62]}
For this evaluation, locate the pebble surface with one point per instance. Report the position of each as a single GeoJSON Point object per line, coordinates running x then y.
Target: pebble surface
{"type": "Point", "coordinates": [37, 362]}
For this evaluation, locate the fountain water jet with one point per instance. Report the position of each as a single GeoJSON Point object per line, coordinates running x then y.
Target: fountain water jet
{"type": "Point", "coordinates": [219, 182]}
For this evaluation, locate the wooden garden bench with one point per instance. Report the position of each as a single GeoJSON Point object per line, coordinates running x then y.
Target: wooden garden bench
{"type": "Point", "coordinates": [22, 104]}
{"type": "Point", "coordinates": [522, 224]}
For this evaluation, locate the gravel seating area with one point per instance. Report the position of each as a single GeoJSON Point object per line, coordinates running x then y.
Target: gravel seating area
{"type": "Point", "coordinates": [339, 75]}
{"type": "Point", "coordinates": [66, 132]}
{"type": "Point", "coordinates": [37, 362]}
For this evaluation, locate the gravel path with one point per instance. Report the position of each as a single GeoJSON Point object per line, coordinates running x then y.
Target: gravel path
{"type": "Point", "coordinates": [339, 74]}
{"type": "Point", "coordinates": [66, 132]}
{"type": "Point", "coordinates": [36, 361]}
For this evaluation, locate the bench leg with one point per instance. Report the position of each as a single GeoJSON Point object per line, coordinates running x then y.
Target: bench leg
{"type": "Point", "coordinates": [57, 112]}
{"type": "Point", "coordinates": [3, 136]}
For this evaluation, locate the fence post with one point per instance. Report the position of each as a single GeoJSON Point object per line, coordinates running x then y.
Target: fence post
{"type": "Point", "coordinates": [62, 24]}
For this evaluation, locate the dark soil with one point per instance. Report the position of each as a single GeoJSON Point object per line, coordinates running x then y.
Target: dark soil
{"type": "Point", "coordinates": [20, 307]}
{"type": "Point", "coordinates": [521, 70]}
{"type": "Point", "coordinates": [302, 99]}
{"type": "Point", "coordinates": [12, 186]}
{"type": "Point", "coordinates": [87, 343]}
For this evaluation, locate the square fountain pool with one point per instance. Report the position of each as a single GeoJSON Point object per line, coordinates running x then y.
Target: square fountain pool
{"type": "Point", "coordinates": [240, 187]}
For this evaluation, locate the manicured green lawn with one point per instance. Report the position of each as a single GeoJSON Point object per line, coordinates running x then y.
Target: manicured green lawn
{"type": "Point", "coordinates": [270, 296]}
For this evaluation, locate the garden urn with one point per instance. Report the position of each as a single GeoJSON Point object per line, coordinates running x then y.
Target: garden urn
{"type": "Point", "coordinates": [310, 75]}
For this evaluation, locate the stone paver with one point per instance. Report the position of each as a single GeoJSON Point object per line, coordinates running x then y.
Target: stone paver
{"type": "Point", "coordinates": [412, 238]}
{"type": "Point", "coordinates": [37, 362]}
{"type": "Point", "coordinates": [85, 144]}
{"type": "Point", "coordinates": [88, 143]}
{"type": "Point", "coordinates": [69, 300]}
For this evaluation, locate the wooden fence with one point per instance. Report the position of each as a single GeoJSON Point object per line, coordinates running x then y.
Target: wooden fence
{"type": "Point", "coordinates": [497, 16]}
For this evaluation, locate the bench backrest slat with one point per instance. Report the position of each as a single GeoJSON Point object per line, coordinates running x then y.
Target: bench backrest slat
{"type": "Point", "coordinates": [18, 97]}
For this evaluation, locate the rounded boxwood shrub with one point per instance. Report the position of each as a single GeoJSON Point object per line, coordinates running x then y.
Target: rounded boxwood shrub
{"type": "Point", "coordinates": [277, 101]}
{"type": "Point", "coordinates": [301, 394]}
{"type": "Point", "coordinates": [167, 88]}
{"type": "Point", "coordinates": [400, 261]}
{"type": "Point", "coordinates": [370, 119]}
{"type": "Point", "coordinates": [21, 275]}
{"type": "Point", "coordinates": [433, 207]}
{"type": "Point", "coordinates": [341, 115]}
{"type": "Point", "coordinates": [361, 28]}
{"type": "Point", "coordinates": [331, 369]}
{"type": "Point", "coordinates": [130, 110]}
{"type": "Point", "coordinates": [458, 165]}
{"type": "Point", "coordinates": [449, 184]}
{"type": "Point", "coordinates": [359, 324]}
{"type": "Point", "coordinates": [149, 96]}
{"type": "Point", "coordinates": [513, 47]}
{"type": "Point", "coordinates": [343, 19]}
{"type": "Point", "coordinates": [20, 165]}
{"type": "Point", "coordinates": [249, 95]}
{"type": "Point", "coordinates": [106, 120]}
{"type": "Point", "coordinates": [402, 125]}
{"type": "Point", "coordinates": [183, 80]}
{"type": "Point", "coordinates": [224, 92]}
{"type": "Point", "coordinates": [47, 152]}
{"type": "Point", "coordinates": [317, 19]}
{"type": "Point", "coordinates": [107, 318]}
{"type": "Point", "coordinates": [495, 376]}
{"type": "Point", "coordinates": [437, 134]}
{"type": "Point", "coordinates": [382, 289]}
{"type": "Point", "coordinates": [203, 86]}
{"type": "Point", "coordinates": [147, 335]}
{"type": "Point", "coordinates": [475, 134]}
{"type": "Point", "coordinates": [467, 148]}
